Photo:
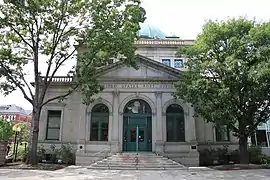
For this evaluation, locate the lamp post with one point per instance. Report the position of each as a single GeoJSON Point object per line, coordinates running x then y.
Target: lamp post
{"type": "Point", "coordinates": [17, 130]}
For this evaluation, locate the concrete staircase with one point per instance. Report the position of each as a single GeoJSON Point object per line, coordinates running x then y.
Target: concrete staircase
{"type": "Point", "coordinates": [134, 161]}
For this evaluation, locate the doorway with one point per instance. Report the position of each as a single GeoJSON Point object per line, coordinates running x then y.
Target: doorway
{"type": "Point", "coordinates": [137, 126]}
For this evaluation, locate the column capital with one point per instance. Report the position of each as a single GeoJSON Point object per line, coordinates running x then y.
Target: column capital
{"type": "Point", "coordinates": [158, 94]}
{"type": "Point", "coordinates": [115, 93]}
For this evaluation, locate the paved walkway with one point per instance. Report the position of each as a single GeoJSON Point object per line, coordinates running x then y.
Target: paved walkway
{"type": "Point", "coordinates": [73, 173]}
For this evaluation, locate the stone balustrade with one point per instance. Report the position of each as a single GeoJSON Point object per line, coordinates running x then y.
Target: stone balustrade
{"type": "Point", "coordinates": [163, 42]}
{"type": "Point", "coordinates": [59, 79]}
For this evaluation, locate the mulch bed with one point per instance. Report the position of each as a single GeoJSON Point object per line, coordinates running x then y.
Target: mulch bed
{"type": "Point", "coordinates": [240, 167]}
{"type": "Point", "coordinates": [40, 166]}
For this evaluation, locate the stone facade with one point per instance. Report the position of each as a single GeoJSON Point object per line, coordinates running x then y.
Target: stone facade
{"type": "Point", "coordinates": [3, 152]}
{"type": "Point", "coordinates": [152, 83]}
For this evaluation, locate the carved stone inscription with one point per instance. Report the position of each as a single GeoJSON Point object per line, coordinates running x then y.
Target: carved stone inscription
{"type": "Point", "coordinates": [137, 86]}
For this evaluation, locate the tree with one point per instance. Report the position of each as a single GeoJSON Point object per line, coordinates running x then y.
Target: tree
{"type": "Point", "coordinates": [228, 77]}
{"type": "Point", "coordinates": [42, 34]}
{"type": "Point", "coordinates": [6, 131]}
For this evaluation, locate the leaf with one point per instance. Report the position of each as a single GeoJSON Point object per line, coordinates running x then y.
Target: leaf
{"type": "Point", "coordinates": [229, 74]}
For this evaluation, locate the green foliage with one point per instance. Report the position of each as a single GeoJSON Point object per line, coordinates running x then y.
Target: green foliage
{"type": "Point", "coordinates": [228, 77]}
{"type": "Point", "coordinates": [41, 152]}
{"type": "Point", "coordinates": [265, 160]}
{"type": "Point", "coordinates": [255, 154]}
{"type": "Point", "coordinates": [21, 153]}
{"type": "Point", "coordinates": [42, 34]}
{"type": "Point", "coordinates": [6, 131]}
{"type": "Point", "coordinates": [257, 157]}
{"type": "Point", "coordinates": [66, 154]}
{"type": "Point", "coordinates": [53, 153]}
{"type": "Point", "coordinates": [23, 135]}
{"type": "Point", "coordinates": [214, 156]}
{"type": "Point", "coordinates": [31, 29]}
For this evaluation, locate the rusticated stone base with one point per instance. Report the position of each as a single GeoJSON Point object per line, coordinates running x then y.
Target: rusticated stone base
{"type": "Point", "coordinates": [3, 152]}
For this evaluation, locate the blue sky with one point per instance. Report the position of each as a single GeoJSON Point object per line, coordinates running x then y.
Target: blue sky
{"type": "Point", "coordinates": [185, 19]}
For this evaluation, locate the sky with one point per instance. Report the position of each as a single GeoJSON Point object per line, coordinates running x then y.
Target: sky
{"type": "Point", "coordinates": [184, 18]}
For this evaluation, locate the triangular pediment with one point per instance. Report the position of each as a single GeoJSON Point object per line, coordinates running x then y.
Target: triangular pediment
{"type": "Point", "coordinates": [147, 69]}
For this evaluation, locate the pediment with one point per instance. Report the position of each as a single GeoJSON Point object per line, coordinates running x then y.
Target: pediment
{"type": "Point", "coordinates": [148, 69]}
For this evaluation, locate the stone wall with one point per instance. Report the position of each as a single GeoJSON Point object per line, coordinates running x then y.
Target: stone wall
{"type": "Point", "coordinates": [3, 149]}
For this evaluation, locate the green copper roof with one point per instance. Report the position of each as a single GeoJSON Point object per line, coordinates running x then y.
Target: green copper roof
{"type": "Point", "coordinates": [149, 31]}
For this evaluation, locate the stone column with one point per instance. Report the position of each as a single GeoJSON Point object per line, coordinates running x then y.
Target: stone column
{"type": "Point", "coordinates": [115, 122]}
{"type": "Point", "coordinates": [191, 125]}
{"type": "Point", "coordinates": [82, 130]}
{"type": "Point", "coordinates": [82, 122]}
{"type": "Point", "coordinates": [159, 124]}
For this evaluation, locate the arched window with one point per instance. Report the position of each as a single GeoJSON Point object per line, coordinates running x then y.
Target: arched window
{"type": "Point", "coordinates": [99, 123]}
{"type": "Point", "coordinates": [137, 106]}
{"type": "Point", "coordinates": [175, 122]}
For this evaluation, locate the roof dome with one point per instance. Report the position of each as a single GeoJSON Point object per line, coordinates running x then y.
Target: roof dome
{"type": "Point", "coordinates": [150, 31]}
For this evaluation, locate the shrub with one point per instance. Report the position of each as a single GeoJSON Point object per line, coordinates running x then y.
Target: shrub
{"type": "Point", "coordinates": [41, 153]}
{"type": "Point", "coordinates": [53, 154]}
{"type": "Point", "coordinates": [213, 156]}
{"type": "Point", "coordinates": [6, 131]}
{"type": "Point", "coordinates": [21, 153]}
{"type": "Point", "coordinates": [66, 154]}
{"type": "Point", "coordinates": [255, 154]}
{"type": "Point", "coordinates": [235, 156]}
{"type": "Point", "coordinates": [218, 156]}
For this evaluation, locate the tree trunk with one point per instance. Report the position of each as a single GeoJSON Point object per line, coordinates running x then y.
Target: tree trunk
{"type": "Point", "coordinates": [32, 151]}
{"type": "Point", "coordinates": [244, 157]}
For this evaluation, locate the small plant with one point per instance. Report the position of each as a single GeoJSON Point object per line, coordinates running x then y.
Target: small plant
{"type": "Point", "coordinates": [265, 160]}
{"type": "Point", "coordinates": [255, 154]}
{"type": "Point", "coordinates": [53, 153]}
{"type": "Point", "coordinates": [66, 155]}
{"type": "Point", "coordinates": [41, 152]}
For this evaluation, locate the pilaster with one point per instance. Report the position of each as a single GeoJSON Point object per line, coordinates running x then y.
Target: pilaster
{"type": "Point", "coordinates": [82, 122]}
{"type": "Point", "coordinates": [191, 128]}
{"type": "Point", "coordinates": [115, 116]}
{"type": "Point", "coordinates": [159, 124]}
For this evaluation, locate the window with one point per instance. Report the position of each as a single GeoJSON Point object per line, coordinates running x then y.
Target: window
{"type": "Point", "coordinates": [175, 122]}
{"type": "Point", "coordinates": [53, 125]}
{"type": "Point", "coordinates": [178, 63]}
{"type": "Point", "coordinates": [260, 138]}
{"type": "Point", "coordinates": [137, 106]}
{"type": "Point", "coordinates": [99, 123]}
{"type": "Point", "coordinates": [222, 133]}
{"type": "Point", "coordinates": [166, 62]}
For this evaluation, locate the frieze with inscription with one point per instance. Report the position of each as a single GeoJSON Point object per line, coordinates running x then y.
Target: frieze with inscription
{"type": "Point", "coordinates": [137, 86]}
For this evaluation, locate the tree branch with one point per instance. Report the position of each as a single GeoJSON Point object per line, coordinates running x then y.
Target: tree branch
{"type": "Point", "coordinates": [22, 38]}
{"type": "Point", "coordinates": [45, 88]}
{"type": "Point", "coordinates": [60, 96]}
{"type": "Point", "coordinates": [9, 75]}
{"type": "Point", "coordinates": [27, 85]}
{"type": "Point", "coordinates": [56, 39]}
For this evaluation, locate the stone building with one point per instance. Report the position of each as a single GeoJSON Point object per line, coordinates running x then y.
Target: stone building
{"type": "Point", "coordinates": [135, 112]}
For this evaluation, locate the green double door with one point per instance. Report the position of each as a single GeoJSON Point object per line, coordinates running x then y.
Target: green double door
{"type": "Point", "coordinates": [137, 134]}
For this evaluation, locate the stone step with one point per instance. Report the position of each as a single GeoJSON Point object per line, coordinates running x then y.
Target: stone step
{"type": "Point", "coordinates": [137, 168]}
{"type": "Point", "coordinates": [133, 158]}
{"type": "Point", "coordinates": [133, 164]}
{"type": "Point", "coordinates": [139, 161]}
{"type": "Point", "coordinates": [133, 161]}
